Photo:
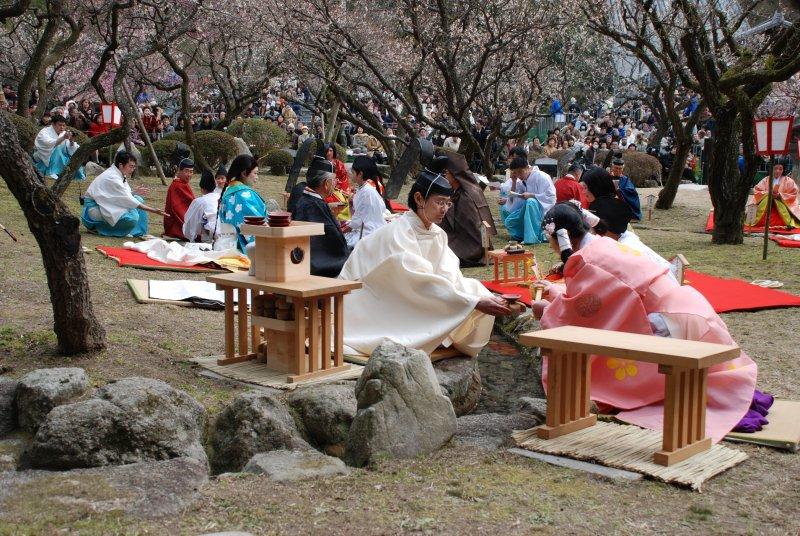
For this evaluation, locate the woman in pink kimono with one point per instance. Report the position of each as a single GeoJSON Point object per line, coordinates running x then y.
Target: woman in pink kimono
{"type": "Point", "coordinates": [611, 286]}
{"type": "Point", "coordinates": [785, 207]}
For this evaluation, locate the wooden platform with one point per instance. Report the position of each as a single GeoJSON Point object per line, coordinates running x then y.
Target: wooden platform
{"type": "Point", "coordinates": [628, 447]}
{"type": "Point", "coordinates": [258, 374]}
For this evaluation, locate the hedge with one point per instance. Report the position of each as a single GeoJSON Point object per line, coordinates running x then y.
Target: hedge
{"type": "Point", "coordinates": [214, 146]}
{"type": "Point", "coordinates": [164, 149]}
{"type": "Point", "coordinates": [263, 136]}
{"type": "Point", "coordinates": [278, 161]}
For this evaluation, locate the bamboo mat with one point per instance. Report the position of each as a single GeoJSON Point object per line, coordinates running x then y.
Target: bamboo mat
{"type": "Point", "coordinates": [258, 374]}
{"type": "Point", "coordinates": [629, 447]}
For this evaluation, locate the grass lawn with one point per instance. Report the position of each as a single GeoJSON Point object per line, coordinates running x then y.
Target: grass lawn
{"type": "Point", "coordinates": [457, 490]}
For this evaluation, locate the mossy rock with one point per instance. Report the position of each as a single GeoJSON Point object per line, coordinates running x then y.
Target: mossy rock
{"type": "Point", "coordinates": [26, 129]}
{"type": "Point", "coordinates": [214, 146]}
{"type": "Point", "coordinates": [278, 161]}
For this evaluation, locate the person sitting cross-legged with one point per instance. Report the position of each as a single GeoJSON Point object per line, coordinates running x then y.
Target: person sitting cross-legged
{"type": "Point", "coordinates": [110, 208]}
{"type": "Point", "coordinates": [53, 148]}
{"type": "Point", "coordinates": [531, 193]}
{"type": "Point", "coordinates": [198, 225]}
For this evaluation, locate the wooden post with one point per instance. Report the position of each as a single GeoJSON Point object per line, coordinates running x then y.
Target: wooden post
{"type": "Point", "coordinates": [300, 335]}
{"type": "Point", "coordinates": [568, 380]}
{"type": "Point", "coordinates": [768, 213]}
{"type": "Point", "coordinates": [326, 332]}
{"type": "Point", "coordinates": [242, 320]}
{"type": "Point", "coordinates": [314, 349]}
{"type": "Point", "coordinates": [338, 330]}
{"type": "Point", "coordinates": [684, 414]}
{"type": "Point", "coordinates": [229, 323]}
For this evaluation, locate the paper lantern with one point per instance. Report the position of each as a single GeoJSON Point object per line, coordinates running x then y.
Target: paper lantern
{"type": "Point", "coordinates": [773, 135]}
{"type": "Point", "coordinates": [112, 115]}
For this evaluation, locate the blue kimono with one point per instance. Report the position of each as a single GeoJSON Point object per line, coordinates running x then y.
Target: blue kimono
{"type": "Point", "coordinates": [239, 200]}
{"type": "Point", "coordinates": [631, 196]}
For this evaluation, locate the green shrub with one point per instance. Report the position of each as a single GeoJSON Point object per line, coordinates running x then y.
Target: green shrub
{"type": "Point", "coordinates": [178, 135]}
{"type": "Point", "coordinates": [26, 130]}
{"type": "Point", "coordinates": [261, 135]}
{"type": "Point", "coordinates": [164, 149]}
{"type": "Point", "coordinates": [214, 146]}
{"type": "Point", "coordinates": [278, 161]}
{"type": "Point", "coordinates": [640, 167]}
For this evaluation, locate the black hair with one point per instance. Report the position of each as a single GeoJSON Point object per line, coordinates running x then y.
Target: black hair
{"type": "Point", "coordinates": [568, 216]}
{"type": "Point", "coordinates": [207, 183]}
{"type": "Point", "coordinates": [369, 169]}
{"type": "Point", "coordinates": [518, 151]}
{"type": "Point", "coordinates": [57, 118]}
{"type": "Point", "coordinates": [122, 158]}
{"type": "Point", "coordinates": [242, 165]}
{"type": "Point", "coordinates": [575, 166]}
{"type": "Point", "coordinates": [325, 147]}
{"type": "Point", "coordinates": [599, 182]}
{"type": "Point", "coordinates": [518, 162]}
{"type": "Point", "coordinates": [430, 182]}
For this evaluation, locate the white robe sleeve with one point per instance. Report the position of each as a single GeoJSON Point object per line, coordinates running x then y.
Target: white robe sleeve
{"type": "Point", "coordinates": [193, 219]}
{"type": "Point", "coordinates": [112, 194]}
{"type": "Point", "coordinates": [44, 144]}
{"type": "Point", "coordinates": [368, 209]}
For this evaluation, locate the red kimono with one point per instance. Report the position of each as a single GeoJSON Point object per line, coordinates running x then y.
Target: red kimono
{"type": "Point", "coordinates": [179, 197]}
{"type": "Point", "coordinates": [567, 187]}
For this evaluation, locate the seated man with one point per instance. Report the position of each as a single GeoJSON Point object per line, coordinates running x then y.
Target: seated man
{"type": "Point", "coordinates": [785, 207]}
{"type": "Point", "coordinates": [625, 186]}
{"type": "Point", "coordinates": [179, 197]}
{"type": "Point", "coordinates": [530, 194]}
{"type": "Point", "coordinates": [198, 225]}
{"type": "Point", "coordinates": [329, 251]}
{"type": "Point", "coordinates": [464, 220]}
{"type": "Point", "coordinates": [414, 293]}
{"type": "Point", "coordinates": [568, 187]}
{"type": "Point", "coordinates": [52, 149]}
{"type": "Point", "coordinates": [109, 207]}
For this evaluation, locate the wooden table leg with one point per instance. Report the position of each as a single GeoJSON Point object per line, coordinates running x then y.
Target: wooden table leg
{"type": "Point", "coordinates": [299, 357]}
{"type": "Point", "coordinates": [326, 332]}
{"type": "Point", "coordinates": [496, 270]}
{"type": "Point", "coordinates": [567, 395]}
{"type": "Point", "coordinates": [338, 330]}
{"type": "Point", "coordinates": [242, 320]}
{"type": "Point", "coordinates": [313, 336]}
{"type": "Point", "coordinates": [684, 415]}
{"type": "Point", "coordinates": [228, 323]}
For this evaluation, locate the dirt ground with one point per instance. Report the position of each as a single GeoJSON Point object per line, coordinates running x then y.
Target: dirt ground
{"type": "Point", "coordinates": [457, 490]}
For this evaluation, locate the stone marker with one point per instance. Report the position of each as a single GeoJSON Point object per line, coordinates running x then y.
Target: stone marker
{"type": "Point", "coordinates": [401, 409]}
{"type": "Point", "coordinates": [41, 390]}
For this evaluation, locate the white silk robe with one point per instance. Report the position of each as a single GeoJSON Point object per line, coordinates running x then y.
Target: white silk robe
{"type": "Point", "coordinates": [413, 294]}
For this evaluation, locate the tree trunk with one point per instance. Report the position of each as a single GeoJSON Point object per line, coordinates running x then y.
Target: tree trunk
{"type": "Point", "coordinates": [728, 188]}
{"type": "Point", "coordinates": [666, 197]}
{"type": "Point", "coordinates": [56, 231]}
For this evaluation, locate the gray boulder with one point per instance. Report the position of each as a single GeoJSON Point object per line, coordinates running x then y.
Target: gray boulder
{"type": "Point", "coordinates": [142, 490]}
{"type": "Point", "coordinates": [242, 147]}
{"type": "Point", "coordinates": [461, 382]}
{"type": "Point", "coordinates": [8, 407]}
{"type": "Point", "coordinates": [286, 465]}
{"type": "Point", "coordinates": [492, 430]}
{"type": "Point", "coordinates": [533, 406]}
{"type": "Point", "coordinates": [326, 411]}
{"type": "Point", "coordinates": [130, 420]}
{"type": "Point", "coordinates": [43, 389]}
{"type": "Point", "coordinates": [93, 169]}
{"type": "Point", "coordinates": [401, 409]}
{"type": "Point", "coordinates": [254, 422]}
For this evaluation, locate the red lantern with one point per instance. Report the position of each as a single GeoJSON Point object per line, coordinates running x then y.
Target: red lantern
{"type": "Point", "coordinates": [773, 135]}
{"type": "Point", "coordinates": [112, 115]}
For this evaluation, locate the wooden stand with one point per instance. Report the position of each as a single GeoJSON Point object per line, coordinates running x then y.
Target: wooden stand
{"type": "Point", "coordinates": [685, 364]}
{"type": "Point", "coordinates": [305, 336]}
{"type": "Point", "coordinates": [518, 261]}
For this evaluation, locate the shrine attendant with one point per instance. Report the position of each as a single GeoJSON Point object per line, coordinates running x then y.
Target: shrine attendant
{"type": "Point", "coordinates": [627, 190]}
{"type": "Point", "coordinates": [110, 208]}
{"type": "Point", "coordinates": [369, 205]}
{"type": "Point", "coordinates": [785, 206]}
{"type": "Point", "coordinates": [465, 219]}
{"type": "Point", "coordinates": [530, 194]}
{"type": "Point", "coordinates": [568, 187]}
{"type": "Point", "coordinates": [53, 147]}
{"type": "Point", "coordinates": [179, 197]}
{"type": "Point", "coordinates": [238, 199]}
{"type": "Point", "coordinates": [413, 291]}
{"type": "Point", "coordinates": [613, 287]}
{"type": "Point", "coordinates": [198, 225]}
{"type": "Point", "coordinates": [329, 251]}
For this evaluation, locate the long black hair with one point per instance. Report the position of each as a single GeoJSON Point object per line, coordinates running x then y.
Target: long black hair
{"type": "Point", "coordinates": [567, 216]}
{"type": "Point", "coordinates": [367, 166]}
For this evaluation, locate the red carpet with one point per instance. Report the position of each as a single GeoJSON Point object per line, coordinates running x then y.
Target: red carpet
{"type": "Point", "coordinates": [724, 295]}
{"type": "Point", "coordinates": [397, 207]}
{"type": "Point", "coordinates": [754, 230]}
{"type": "Point", "coordinates": [136, 259]}
{"type": "Point", "coordinates": [785, 242]}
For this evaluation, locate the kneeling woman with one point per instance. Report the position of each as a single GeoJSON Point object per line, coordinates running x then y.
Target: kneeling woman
{"type": "Point", "coordinates": [414, 293]}
{"type": "Point", "coordinates": [369, 205]}
{"type": "Point", "coordinates": [610, 286]}
{"type": "Point", "coordinates": [237, 200]}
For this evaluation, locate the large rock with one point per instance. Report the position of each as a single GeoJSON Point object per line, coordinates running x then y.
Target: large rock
{"type": "Point", "coordinates": [492, 430]}
{"type": "Point", "coordinates": [8, 405]}
{"type": "Point", "coordinates": [326, 411]}
{"type": "Point", "coordinates": [461, 382]}
{"type": "Point", "coordinates": [285, 465]}
{"type": "Point", "coordinates": [140, 490]}
{"type": "Point", "coordinates": [533, 406]}
{"type": "Point", "coordinates": [401, 409]}
{"type": "Point", "coordinates": [43, 389]}
{"type": "Point", "coordinates": [254, 422]}
{"type": "Point", "coordinates": [93, 169]}
{"type": "Point", "coordinates": [130, 420]}
{"type": "Point", "coordinates": [242, 147]}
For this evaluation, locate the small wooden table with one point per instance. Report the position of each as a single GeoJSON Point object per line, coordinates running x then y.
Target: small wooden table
{"type": "Point", "coordinates": [684, 363]}
{"type": "Point", "coordinates": [317, 305]}
{"type": "Point", "coordinates": [519, 262]}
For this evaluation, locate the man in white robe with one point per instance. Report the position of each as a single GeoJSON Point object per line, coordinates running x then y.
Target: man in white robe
{"type": "Point", "coordinates": [413, 291]}
{"type": "Point", "coordinates": [530, 194]}
{"type": "Point", "coordinates": [110, 208]}
{"type": "Point", "coordinates": [198, 223]}
{"type": "Point", "coordinates": [53, 148]}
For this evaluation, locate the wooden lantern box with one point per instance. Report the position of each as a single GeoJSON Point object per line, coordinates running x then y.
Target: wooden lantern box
{"type": "Point", "coordinates": [301, 316]}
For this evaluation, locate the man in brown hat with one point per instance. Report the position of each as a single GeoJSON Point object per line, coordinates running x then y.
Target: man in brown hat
{"type": "Point", "coordinates": [464, 220]}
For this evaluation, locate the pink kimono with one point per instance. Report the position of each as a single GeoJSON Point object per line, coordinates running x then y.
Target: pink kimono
{"type": "Point", "coordinates": [786, 208]}
{"type": "Point", "coordinates": [611, 286]}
